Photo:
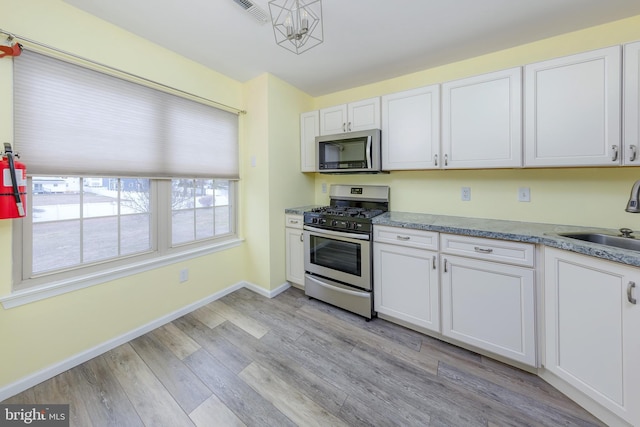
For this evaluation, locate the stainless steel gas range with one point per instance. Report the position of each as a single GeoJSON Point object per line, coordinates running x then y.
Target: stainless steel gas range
{"type": "Point", "coordinates": [337, 248]}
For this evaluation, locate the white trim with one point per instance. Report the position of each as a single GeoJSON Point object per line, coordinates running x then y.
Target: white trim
{"type": "Point", "coordinates": [27, 296]}
{"type": "Point", "coordinates": [265, 293]}
{"type": "Point", "coordinates": [77, 359]}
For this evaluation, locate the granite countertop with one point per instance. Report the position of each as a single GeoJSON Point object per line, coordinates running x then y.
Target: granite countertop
{"type": "Point", "coordinates": [517, 231]}
{"type": "Point", "coordinates": [544, 234]}
{"type": "Point", "coordinates": [300, 210]}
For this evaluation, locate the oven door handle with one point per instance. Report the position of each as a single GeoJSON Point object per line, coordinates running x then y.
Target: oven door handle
{"type": "Point", "coordinates": [337, 233]}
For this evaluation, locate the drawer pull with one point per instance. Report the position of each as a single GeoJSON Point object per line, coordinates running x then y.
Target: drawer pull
{"type": "Point", "coordinates": [630, 297]}
{"type": "Point", "coordinates": [482, 250]}
{"type": "Point", "coordinates": [403, 237]}
{"type": "Point", "coordinates": [293, 221]}
{"type": "Point", "coordinates": [445, 265]}
{"type": "Point", "coordinates": [302, 237]}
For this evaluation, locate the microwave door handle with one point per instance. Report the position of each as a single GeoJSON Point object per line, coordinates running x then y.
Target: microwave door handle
{"type": "Point", "coordinates": [369, 152]}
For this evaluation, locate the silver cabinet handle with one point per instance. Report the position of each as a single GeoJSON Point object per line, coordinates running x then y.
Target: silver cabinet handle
{"type": "Point", "coordinates": [482, 250]}
{"type": "Point", "coordinates": [445, 265]}
{"type": "Point", "coordinates": [446, 160]}
{"type": "Point", "coordinates": [302, 237]}
{"type": "Point", "coordinates": [349, 127]}
{"type": "Point", "coordinates": [293, 221]}
{"type": "Point", "coordinates": [344, 127]}
{"type": "Point", "coordinates": [614, 157]}
{"type": "Point", "coordinates": [435, 160]}
{"type": "Point", "coordinates": [403, 237]}
{"type": "Point", "coordinates": [434, 262]}
{"type": "Point", "coordinates": [633, 153]}
{"type": "Point", "coordinates": [630, 297]}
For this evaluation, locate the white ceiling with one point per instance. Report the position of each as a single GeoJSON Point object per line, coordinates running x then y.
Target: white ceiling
{"type": "Point", "coordinates": [365, 41]}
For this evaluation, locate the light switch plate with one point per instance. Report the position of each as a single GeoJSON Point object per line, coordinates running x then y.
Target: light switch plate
{"type": "Point", "coordinates": [524, 194]}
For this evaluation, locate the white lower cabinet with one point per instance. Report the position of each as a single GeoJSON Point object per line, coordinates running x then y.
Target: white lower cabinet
{"type": "Point", "coordinates": [487, 304]}
{"type": "Point", "coordinates": [294, 246]}
{"type": "Point", "coordinates": [406, 276]}
{"type": "Point", "coordinates": [592, 329]}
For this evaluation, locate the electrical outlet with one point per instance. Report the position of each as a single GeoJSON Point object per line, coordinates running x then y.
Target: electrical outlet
{"type": "Point", "coordinates": [524, 194]}
{"type": "Point", "coordinates": [184, 275]}
{"type": "Point", "coordinates": [465, 194]}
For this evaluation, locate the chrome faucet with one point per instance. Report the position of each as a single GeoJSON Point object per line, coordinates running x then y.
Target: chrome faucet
{"type": "Point", "coordinates": [632, 205]}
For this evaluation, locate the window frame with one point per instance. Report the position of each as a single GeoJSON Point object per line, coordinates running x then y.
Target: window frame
{"type": "Point", "coordinates": [27, 289]}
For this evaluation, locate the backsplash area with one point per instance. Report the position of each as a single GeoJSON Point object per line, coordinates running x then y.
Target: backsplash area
{"type": "Point", "coordinates": [576, 196]}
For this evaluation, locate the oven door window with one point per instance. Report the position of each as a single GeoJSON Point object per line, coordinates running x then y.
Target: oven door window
{"type": "Point", "coordinates": [336, 254]}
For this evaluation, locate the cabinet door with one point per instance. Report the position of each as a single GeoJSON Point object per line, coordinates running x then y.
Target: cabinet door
{"type": "Point", "coordinates": [309, 129]}
{"type": "Point", "coordinates": [631, 121]}
{"type": "Point", "coordinates": [333, 120]}
{"type": "Point", "coordinates": [295, 255]}
{"type": "Point", "coordinates": [406, 285]}
{"type": "Point", "coordinates": [490, 306]}
{"type": "Point", "coordinates": [363, 115]}
{"type": "Point", "coordinates": [482, 121]}
{"type": "Point", "coordinates": [572, 110]}
{"type": "Point", "coordinates": [591, 329]}
{"type": "Point", "coordinates": [411, 129]}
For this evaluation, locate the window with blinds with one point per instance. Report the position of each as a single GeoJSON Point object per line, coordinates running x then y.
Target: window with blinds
{"type": "Point", "coordinates": [119, 173]}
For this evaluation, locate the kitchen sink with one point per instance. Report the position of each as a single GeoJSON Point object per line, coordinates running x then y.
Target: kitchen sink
{"type": "Point", "coordinates": [606, 239]}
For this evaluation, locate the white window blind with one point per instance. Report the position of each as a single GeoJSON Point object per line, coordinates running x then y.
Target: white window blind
{"type": "Point", "coordinates": [71, 120]}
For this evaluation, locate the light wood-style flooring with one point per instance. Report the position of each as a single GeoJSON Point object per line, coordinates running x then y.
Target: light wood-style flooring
{"type": "Point", "coordinates": [249, 360]}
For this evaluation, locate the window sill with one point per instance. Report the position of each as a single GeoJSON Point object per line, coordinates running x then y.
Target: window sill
{"type": "Point", "coordinates": [29, 295]}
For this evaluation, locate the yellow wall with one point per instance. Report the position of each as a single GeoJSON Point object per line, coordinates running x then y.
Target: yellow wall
{"type": "Point", "coordinates": [271, 174]}
{"type": "Point", "coordinates": [591, 197]}
{"type": "Point", "coordinates": [38, 335]}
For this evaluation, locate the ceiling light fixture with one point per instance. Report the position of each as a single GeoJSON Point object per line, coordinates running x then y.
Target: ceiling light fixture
{"type": "Point", "coordinates": [297, 24]}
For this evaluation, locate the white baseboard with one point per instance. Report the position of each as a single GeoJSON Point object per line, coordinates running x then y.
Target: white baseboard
{"type": "Point", "coordinates": [75, 360]}
{"type": "Point", "coordinates": [265, 293]}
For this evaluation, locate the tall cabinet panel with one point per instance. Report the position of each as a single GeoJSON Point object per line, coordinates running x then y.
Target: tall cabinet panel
{"type": "Point", "coordinates": [411, 129]}
{"type": "Point", "coordinates": [309, 129]}
{"type": "Point", "coordinates": [572, 110]}
{"type": "Point", "coordinates": [482, 121]}
{"type": "Point", "coordinates": [592, 319]}
{"type": "Point", "coordinates": [631, 156]}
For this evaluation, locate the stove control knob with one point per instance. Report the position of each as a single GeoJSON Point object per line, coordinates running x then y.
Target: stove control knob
{"type": "Point", "coordinates": [334, 223]}
{"type": "Point", "coordinates": [322, 221]}
{"type": "Point", "coordinates": [314, 220]}
{"type": "Point", "coordinates": [348, 224]}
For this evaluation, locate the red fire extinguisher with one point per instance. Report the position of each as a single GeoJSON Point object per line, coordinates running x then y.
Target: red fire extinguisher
{"type": "Point", "coordinates": [13, 187]}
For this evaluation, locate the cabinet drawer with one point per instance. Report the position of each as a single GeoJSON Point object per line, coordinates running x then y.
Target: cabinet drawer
{"type": "Point", "coordinates": [293, 221]}
{"type": "Point", "coordinates": [406, 237]}
{"type": "Point", "coordinates": [489, 249]}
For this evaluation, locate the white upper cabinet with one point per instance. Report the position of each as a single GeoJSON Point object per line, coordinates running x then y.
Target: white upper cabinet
{"type": "Point", "coordinates": [631, 157]}
{"type": "Point", "coordinates": [411, 129]}
{"type": "Point", "coordinates": [572, 110]}
{"type": "Point", "coordinates": [352, 117]}
{"type": "Point", "coordinates": [482, 121]}
{"type": "Point", "coordinates": [309, 129]}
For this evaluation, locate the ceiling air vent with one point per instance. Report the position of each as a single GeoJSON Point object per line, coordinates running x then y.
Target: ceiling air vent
{"type": "Point", "coordinates": [259, 13]}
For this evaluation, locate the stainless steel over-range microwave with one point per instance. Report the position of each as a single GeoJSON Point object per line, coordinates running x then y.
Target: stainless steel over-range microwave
{"type": "Point", "coordinates": [351, 152]}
